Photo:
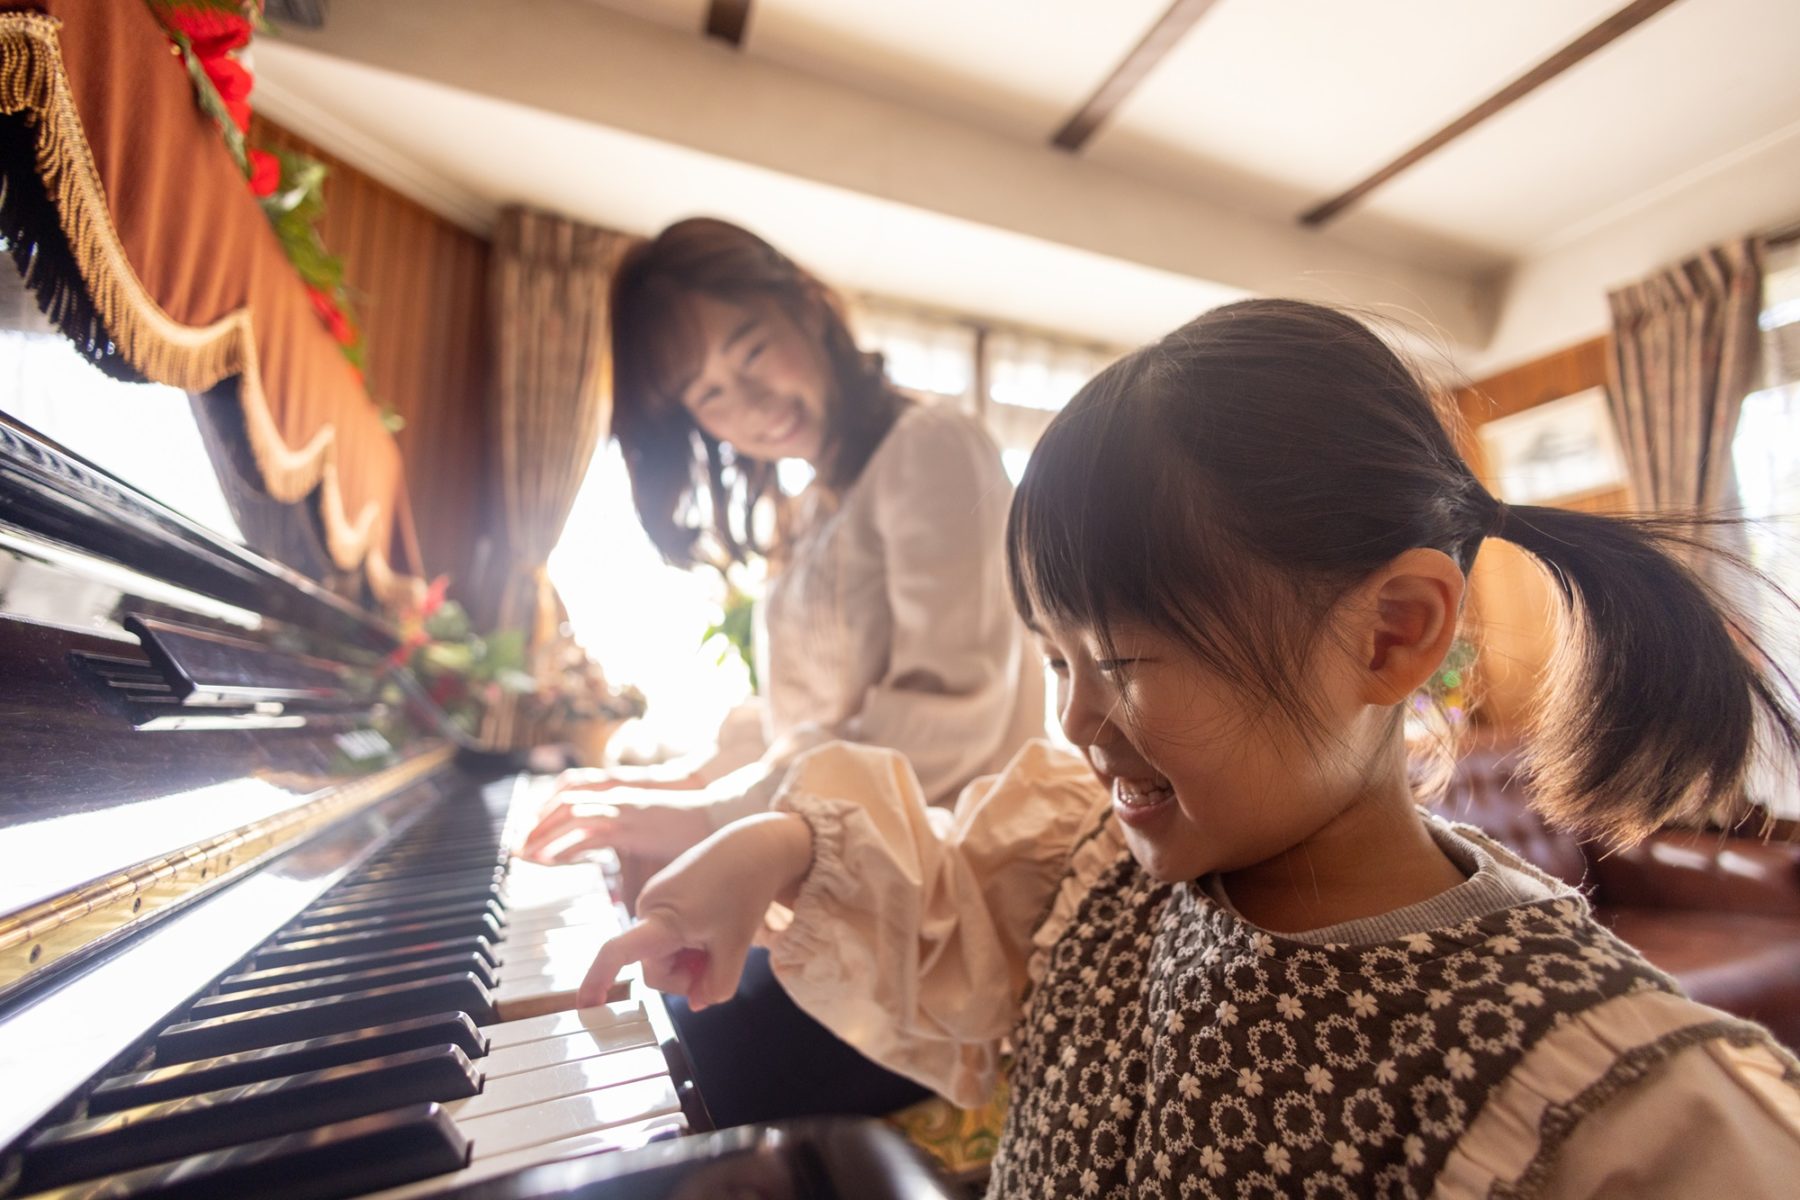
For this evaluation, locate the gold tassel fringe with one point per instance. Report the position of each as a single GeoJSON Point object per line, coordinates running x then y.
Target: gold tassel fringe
{"type": "Point", "coordinates": [33, 82]}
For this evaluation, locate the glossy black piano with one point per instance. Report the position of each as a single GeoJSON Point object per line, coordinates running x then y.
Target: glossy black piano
{"type": "Point", "coordinates": [259, 935]}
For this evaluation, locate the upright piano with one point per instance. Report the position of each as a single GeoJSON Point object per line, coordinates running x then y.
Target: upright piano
{"type": "Point", "coordinates": [259, 934]}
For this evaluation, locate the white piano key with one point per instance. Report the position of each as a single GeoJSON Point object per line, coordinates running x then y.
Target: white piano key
{"type": "Point", "coordinates": [551, 916]}
{"type": "Point", "coordinates": [552, 959]}
{"type": "Point", "coordinates": [593, 933]}
{"type": "Point", "coordinates": [536, 1088]}
{"type": "Point", "coordinates": [533, 1056]}
{"type": "Point", "coordinates": [598, 1021]}
{"type": "Point", "coordinates": [571, 1116]}
{"type": "Point", "coordinates": [530, 892]}
{"type": "Point", "coordinates": [621, 1137]}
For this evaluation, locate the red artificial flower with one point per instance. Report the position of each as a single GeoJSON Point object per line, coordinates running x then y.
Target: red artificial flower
{"type": "Point", "coordinates": [434, 596]}
{"type": "Point", "coordinates": [327, 307]}
{"type": "Point", "coordinates": [265, 172]}
{"type": "Point", "coordinates": [233, 83]}
{"type": "Point", "coordinates": [211, 33]}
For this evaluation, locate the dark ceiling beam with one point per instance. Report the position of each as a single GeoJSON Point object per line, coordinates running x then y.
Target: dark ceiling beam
{"type": "Point", "coordinates": [1157, 43]}
{"type": "Point", "coordinates": [1601, 35]}
{"type": "Point", "coordinates": [727, 20]}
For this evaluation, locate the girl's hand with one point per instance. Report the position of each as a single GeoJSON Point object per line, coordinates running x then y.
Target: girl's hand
{"type": "Point", "coordinates": [698, 917]}
{"type": "Point", "coordinates": [644, 824]}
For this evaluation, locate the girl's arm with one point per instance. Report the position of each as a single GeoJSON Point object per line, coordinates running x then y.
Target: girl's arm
{"type": "Point", "coordinates": [911, 927]}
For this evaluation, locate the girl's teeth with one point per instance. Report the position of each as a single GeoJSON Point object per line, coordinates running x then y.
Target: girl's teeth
{"type": "Point", "coordinates": [1139, 795]}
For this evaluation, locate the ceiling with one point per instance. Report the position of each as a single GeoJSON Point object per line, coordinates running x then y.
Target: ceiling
{"type": "Point", "coordinates": [904, 148]}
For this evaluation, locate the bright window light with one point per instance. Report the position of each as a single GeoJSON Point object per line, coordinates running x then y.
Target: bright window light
{"type": "Point", "coordinates": [142, 432]}
{"type": "Point", "coordinates": [642, 619]}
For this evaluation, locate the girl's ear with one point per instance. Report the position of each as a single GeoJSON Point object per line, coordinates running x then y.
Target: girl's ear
{"type": "Point", "coordinates": [1407, 621]}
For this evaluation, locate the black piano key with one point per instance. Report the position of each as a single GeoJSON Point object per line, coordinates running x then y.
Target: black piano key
{"type": "Point", "coordinates": [326, 912]}
{"type": "Point", "coordinates": [229, 1034]}
{"type": "Point", "coordinates": [288, 1058]}
{"type": "Point", "coordinates": [416, 934]}
{"type": "Point", "coordinates": [168, 1129]}
{"type": "Point", "coordinates": [474, 881]}
{"type": "Point", "coordinates": [479, 947]}
{"type": "Point", "coordinates": [461, 850]}
{"type": "Point", "coordinates": [333, 985]}
{"type": "Point", "coordinates": [345, 1159]}
{"type": "Point", "coordinates": [429, 865]}
{"type": "Point", "coordinates": [475, 908]}
{"type": "Point", "coordinates": [437, 875]}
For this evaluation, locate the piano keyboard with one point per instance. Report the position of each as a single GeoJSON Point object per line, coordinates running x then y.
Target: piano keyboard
{"type": "Point", "coordinates": [412, 1030]}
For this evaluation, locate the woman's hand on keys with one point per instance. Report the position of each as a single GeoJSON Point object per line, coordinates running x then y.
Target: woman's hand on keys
{"type": "Point", "coordinates": [698, 917]}
{"type": "Point", "coordinates": [655, 825]}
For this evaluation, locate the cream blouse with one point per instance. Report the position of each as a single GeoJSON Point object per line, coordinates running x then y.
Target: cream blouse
{"type": "Point", "coordinates": [891, 623]}
{"type": "Point", "coordinates": [918, 932]}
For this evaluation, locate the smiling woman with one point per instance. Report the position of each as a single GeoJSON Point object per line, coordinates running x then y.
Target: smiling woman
{"type": "Point", "coordinates": [885, 620]}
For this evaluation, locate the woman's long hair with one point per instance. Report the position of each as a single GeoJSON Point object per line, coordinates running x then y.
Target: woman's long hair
{"type": "Point", "coordinates": [697, 499]}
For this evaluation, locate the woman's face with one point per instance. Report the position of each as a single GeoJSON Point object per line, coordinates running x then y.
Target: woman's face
{"type": "Point", "coordinates": [762, 384]}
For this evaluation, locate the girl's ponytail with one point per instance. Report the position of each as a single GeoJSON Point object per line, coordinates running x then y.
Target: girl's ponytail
{"type": "Point", "coordinates": [1652, 702]}
{"type": "Point", "coordinates": [1233, 482]}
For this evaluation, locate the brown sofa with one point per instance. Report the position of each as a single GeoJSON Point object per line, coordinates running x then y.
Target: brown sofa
{"type": "Point", "coordinates": [1719, 912]}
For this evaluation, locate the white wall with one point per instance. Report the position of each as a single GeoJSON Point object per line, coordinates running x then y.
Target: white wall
{"type": "Point", "coordinates": [1557, 296]}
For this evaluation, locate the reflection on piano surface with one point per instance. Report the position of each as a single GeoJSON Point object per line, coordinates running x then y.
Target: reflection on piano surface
{"type": "Point", "coordinates": [259, 935]}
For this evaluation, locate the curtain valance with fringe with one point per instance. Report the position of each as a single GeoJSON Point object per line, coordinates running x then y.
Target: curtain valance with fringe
{"type": "Point", "coordinates": [137, 232]}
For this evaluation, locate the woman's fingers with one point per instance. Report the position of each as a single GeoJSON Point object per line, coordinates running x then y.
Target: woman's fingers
{"type": "Point", "coordinates": [570, 832]}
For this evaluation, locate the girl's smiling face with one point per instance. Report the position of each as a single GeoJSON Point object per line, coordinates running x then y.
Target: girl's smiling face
{"type": "Point", "coordinates": [1204, 778]}
{"type": "Point", "coordinates": [761, 384]}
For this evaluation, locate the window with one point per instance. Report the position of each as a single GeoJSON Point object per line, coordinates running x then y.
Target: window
{"type": "Point", "coordinates": [932, 356]}
{"type": "Point", "coordinates": [1766, 457]}
{"type": "Point", "coordinates": [643, 619]}
{"type": "Point", "coordinates": [1029, 379]}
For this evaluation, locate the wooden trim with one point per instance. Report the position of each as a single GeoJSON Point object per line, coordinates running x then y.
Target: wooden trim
{"type": "Point", "coordinates": [1157, 42]}
{"type": "Point", "coordinates": [728, 20]}
{"type": "Point", "coordinates": [1600, 36]}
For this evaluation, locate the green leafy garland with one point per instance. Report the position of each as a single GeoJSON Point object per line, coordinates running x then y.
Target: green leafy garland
{"type": "Point", "coordinates": [209, 34]}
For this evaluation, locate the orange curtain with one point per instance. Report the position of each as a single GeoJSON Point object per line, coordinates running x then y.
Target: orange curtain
{"type": "Point", "coordinates": [420, 284]}
{"type": "Point", "coordinates": [150, 250]}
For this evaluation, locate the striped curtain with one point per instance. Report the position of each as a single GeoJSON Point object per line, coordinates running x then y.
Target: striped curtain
{"type": "Point", "coordinates": [1685, 350]}
{"type": "Point", "coordinates": [552, 401]}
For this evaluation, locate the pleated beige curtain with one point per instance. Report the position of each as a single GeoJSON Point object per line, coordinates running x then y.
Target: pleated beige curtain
{"type": "Point", "coordinates": [1685, 350]}
{"type": "Point", "coordinates": [552, 400]}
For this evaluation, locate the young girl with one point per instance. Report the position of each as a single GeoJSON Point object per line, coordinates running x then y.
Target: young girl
{"type": "Point", "coordinates": [1231, 955]}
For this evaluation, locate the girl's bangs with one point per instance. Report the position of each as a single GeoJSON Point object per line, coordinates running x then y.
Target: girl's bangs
{"type": "Point", "coordinates": [1078, 540]}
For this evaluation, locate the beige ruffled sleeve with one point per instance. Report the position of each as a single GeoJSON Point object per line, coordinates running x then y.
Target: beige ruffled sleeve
{"type": "Point", "coordinates": [1647, 1095]}
{"type": "Point", "coordinates": [911, 938]}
